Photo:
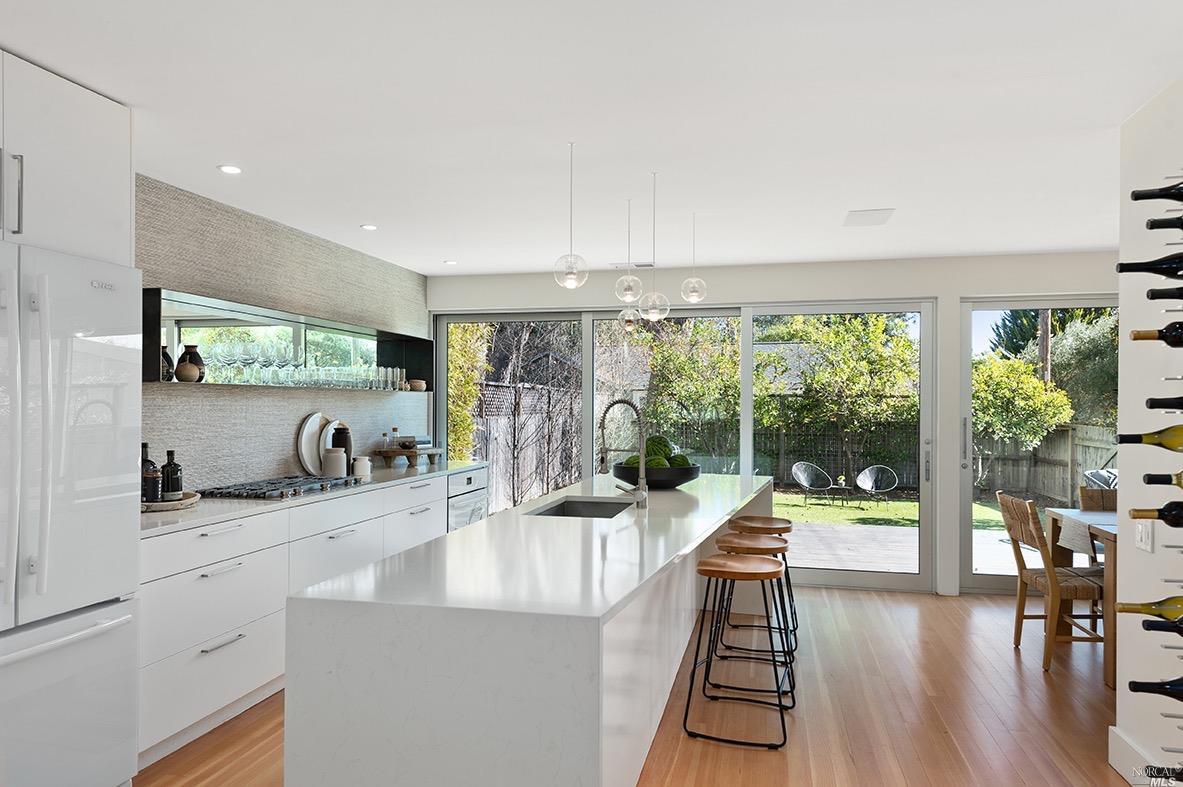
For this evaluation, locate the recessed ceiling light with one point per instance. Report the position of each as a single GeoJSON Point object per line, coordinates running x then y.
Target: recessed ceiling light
{"type": "Point", "coordinates": [450, 262]}
{"type": "Point", "coordinates": [369, 227]}
{"type": "Point", "coordinates": [868, 218]}
{"type": "Point", "coordinates": [229, 169]}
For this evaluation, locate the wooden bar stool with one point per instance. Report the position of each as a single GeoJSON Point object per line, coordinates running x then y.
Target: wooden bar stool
{"type": "Point", "coordinates": [722, 572]}
{"type": "Point", "coordinates": [752, 544]}
{"type": "Point", "coordinates": [771, 526]}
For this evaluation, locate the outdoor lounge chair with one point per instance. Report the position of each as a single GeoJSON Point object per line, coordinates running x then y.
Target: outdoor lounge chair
{"type": "Point", "coordinates": [812, 478]}
{"type": "Point", "coordinates": [877, 481]}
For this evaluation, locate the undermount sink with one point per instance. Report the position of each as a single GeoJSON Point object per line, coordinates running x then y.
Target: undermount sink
{"type": "Point", "coordinates": [583, 507]}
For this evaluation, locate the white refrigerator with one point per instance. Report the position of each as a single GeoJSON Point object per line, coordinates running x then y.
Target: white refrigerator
{"type": "Point", "coordinates": [70, 360]}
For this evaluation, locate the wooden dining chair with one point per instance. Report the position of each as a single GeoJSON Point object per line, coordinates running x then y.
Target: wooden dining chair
{"type": "Point", "coordinates": [1056, 583]}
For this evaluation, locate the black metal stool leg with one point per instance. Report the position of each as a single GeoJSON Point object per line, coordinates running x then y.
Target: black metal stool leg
{"type": "Point", "coordinates": [702, 614]}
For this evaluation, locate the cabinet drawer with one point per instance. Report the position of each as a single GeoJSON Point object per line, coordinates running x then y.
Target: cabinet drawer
{"type": "Point", "coordinates": [161, 556]}
{"type": "Point", "coordinates": [182, 610]}
{"type": "Point", "coordinates": [413, 527]}
{"type": "Point", "coordinates": [183, 689]}
{"type": "Point", "coordinates": [325, 515]}
{"type": "Point", "coordinates": [415, 493]}
{"type": "Point", "coordinates": [319, 557]}
{"type": "Point", "coordinates": [459, 483]}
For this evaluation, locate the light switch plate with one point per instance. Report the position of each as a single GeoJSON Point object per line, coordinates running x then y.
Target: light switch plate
{"type": "Point", "coordinates": [1144, 535]}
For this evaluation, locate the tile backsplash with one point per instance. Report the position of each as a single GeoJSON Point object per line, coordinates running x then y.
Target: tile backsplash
{"type": "Point", "coordinates": [224, 434]}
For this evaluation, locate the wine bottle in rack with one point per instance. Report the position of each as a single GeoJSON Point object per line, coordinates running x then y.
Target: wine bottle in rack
{"type": "Point", "coordinates": [1171, 335]}
{"type": "Point", "coordinates": [1169, 223]}
{"type": "Point", "coordinates": [1165, 403]}
{"type": "Point", "coordinates": [1167, 688]}
{"type": "Point", "coordinates": [1173, 192]}
{"type": "Point", "coordinates": [1170, 266]}
{"type": "Point", "coordinates": [1170, 438]}
{"type": "Point", "coordinates": [1168, 626]}
{"type": "Point", "coordinates": [1170, 608]}
{"type": "Point", "coordinates": [1163, 479]}
{"type": "Point", "coordinates": [1171, 513]}
{"type": "Point", "coordinates": [1165, 294]}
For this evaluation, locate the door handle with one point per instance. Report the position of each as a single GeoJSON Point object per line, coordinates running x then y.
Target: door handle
{"type": "Point", "coordinates": [419, 510]}
{"type": "Point", "coordinates": [342, 535]}
{"type": "Point", "coordinates": [236, 638]}
{"type": "Point", "coordinates": [220, 531]}
{"type": "Point", "coordinates": [928, 465]}
{"type": "Point", "coordinates": [39, 302]}
{"type": "Point", "coordinates": [419, 486]}
{"type": "Point", "coordinates": [20, 193]}
{"type": "Point", "coordinates": [101, 627]}
{"type": "Point", "coordinates": [10, 304]}
{"type": "Point", "coordinates": [222, 570]}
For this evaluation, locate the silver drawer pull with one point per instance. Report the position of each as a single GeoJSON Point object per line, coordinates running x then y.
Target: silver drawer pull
{"type": "Point", "coordinates": [342, 535]}
{"type": "Point", "coordinates": [420, 486]}
{"type": "Point", "coordinates": [221, 530]}
{"type": "Point", "coordinates": [419, 510]}
{"type": "Point", "coordinates": [222, 570]}
{"type": "Point", "coordinates": [221, 645]}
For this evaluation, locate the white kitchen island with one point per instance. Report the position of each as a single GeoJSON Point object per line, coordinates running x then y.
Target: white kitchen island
{"type": "Point", "coordinates": [522, 650]}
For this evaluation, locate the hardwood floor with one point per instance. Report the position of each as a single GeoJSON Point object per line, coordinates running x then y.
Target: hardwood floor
{"type": "Point", "coordinates": [893, 688]}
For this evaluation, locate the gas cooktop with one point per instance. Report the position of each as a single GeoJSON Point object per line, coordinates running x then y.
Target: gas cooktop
{"type": "Point", "coordinates": [288, 486]}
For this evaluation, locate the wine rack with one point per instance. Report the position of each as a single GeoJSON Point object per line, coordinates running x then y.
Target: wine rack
{"type": "Point", "coordinates": [1149, 728]}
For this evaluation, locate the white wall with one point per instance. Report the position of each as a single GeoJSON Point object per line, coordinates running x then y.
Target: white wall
{"type": "Point", "coordinates": [946, 280]}
{"type": "Point", "coordinates": [1149, 153]}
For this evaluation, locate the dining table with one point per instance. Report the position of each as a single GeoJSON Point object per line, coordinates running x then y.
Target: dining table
{"type": "Point", "coordinates": [1073, 530]}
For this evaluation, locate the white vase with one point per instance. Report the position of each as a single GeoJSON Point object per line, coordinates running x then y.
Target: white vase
{"type": "Point", "coordinates": [333, 463]}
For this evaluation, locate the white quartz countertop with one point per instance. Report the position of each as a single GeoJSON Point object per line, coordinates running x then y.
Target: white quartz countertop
{"type": "Point", "coordinates": [514, 561]}
{"type": "Point", "coordinates": [212, 510]}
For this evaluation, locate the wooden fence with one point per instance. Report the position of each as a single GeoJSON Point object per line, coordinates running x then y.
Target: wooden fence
{"type": "Point", "coordinates": [1054, 469]}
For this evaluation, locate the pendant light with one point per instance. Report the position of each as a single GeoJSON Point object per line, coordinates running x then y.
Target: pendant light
{"type": "Point", "coordinates": [654, 306]}
{"type": "Point", "coordinates": [694, 289]}
{"type": "Point", "coordinates": [571, 269]}
{"type": "Point", "coordinates": [628, 286]}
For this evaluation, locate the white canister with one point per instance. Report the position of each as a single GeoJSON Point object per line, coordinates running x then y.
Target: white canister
{"type": "Point", "coordinates": [361, 467]}
{"type": "Point", "coordinates": [333, 464]}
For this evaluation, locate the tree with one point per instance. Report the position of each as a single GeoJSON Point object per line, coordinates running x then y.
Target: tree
{"type": "Point", "coordinates": [855, 372]}
{"type": "Point", "coordinates": [1011, 403]}
{"type": "Point", "coordinates": [468, 345]}
{"type": "Point", "coordinates": [1017, 328]}
{"type": "Point", "coordinates": [1084, 366]}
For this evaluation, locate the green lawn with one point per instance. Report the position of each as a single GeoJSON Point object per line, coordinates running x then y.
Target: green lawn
{"type": "Point", "coordinates": [861, 511]}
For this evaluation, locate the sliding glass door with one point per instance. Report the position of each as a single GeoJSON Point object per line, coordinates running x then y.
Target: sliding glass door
{"type": "Point", "coordinates": [1039, 419]}
{"type": "Point", "coordinates": [841, 419]}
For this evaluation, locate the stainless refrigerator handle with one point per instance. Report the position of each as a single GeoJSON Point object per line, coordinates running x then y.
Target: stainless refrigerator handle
{"type": "Point", "coordinates": [10, 303]}
{"type": "Point", "coordinates": [101, 627]}
{"type": "Point", "coordinates": [20, 193]}
{"type": "Point", "coordinates": [39, 302]}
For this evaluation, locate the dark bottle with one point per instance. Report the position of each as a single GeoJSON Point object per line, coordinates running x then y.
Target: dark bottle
{"type": "Point", "coordinates": [1171, 335]}
{"type": "Point", "coordinates": [1170, 266]}
{"type": "Point", "coordinates": [1171, 223]}
{"type": "Point", "coordinates": [166, 365]}
{"type": "Point", "coordinates": [171, 487]}
{"type": "Point", "coordinates": [1167, 688]}
{"type": "Point", "coordinates": [1165, 403]}
{"type": "Point", "coordinates": [150, 477]}
{"type": "Point", "coordinates": [1173, 191]}
{"type": "Point", "coordinates": [1163, 625]}
{"type": "Point", "coordinates": [1171, 513]}
{"type": "Point", "coordinates": [342, 438]}
{"type": "Point", "coordinates": [1165, 294]}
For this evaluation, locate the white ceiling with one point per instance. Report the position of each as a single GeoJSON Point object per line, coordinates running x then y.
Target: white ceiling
{"type": "Point", "coordinates": [990, 127]}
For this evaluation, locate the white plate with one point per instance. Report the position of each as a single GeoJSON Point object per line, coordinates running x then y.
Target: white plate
{"type": "Point", "coordinates": [308, 443]}
{"type": "Point", "coordinates": [326, 437]}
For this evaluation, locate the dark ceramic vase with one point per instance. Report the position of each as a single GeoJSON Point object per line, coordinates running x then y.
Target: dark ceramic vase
{"type": "Point", "coordinates": [342, 438]}
{"type": "Point", "coordinates": [190, 355]}
{"type": "Point", "coordinates": [166, 365]}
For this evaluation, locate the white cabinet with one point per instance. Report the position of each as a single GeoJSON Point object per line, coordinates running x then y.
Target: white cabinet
{"type": "Point", "coordinates": [161, 556]}
{"type": "Point", "coordinates": [324, 515]}
{"type": "Point", "coordinates": [416, 493]}
{"type": "Point", "coordinates": [185, 688]}
{"type": "Point", "coordinates": [66, 166]}
{"type": "Point", "coordinates": [325, 555]}
{"type": "Point", "coordinates": [406, 529]}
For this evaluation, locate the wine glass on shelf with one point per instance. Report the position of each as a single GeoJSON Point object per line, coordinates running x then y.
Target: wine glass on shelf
{"type": "Point", "coordinates": [248, 355]}
{"type": "Point", "coordinates": [283, 359]}
{"type": "Point", "coordinates": [266, 362]}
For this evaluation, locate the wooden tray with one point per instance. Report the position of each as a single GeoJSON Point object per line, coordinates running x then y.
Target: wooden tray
{"type": "Point", "coordinates": [410, 454]}
{"type": "Point", "coordinates": [188, 500]}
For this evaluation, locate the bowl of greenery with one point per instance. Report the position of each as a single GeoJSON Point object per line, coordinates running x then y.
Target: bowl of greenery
{"type": "Point", "coordinates": [665, 466]}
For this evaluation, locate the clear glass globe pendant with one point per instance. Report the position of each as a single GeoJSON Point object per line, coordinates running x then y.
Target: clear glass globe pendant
{"type": "Point", "coordinates": [628, 288]}
{"type": "Point", "coordinates": [694, 290]}
{"type": "Point", "coordinates": [654, 306]}
{"type": "Point", "coordinates": [570, 271]}
{"type": "Point", "coordinates": [630, 318]}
